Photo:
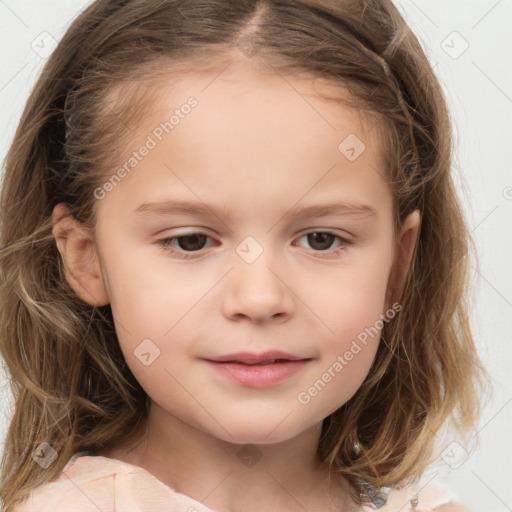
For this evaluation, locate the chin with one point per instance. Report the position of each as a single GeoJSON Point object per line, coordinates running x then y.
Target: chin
{"type": "Point", "coordinates": [263, 431]}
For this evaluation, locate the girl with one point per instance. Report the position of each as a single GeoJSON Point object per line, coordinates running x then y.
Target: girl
{"type": "Point", "coordinates": [234, 264]}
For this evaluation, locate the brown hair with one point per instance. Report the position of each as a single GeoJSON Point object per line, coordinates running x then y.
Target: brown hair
{"type": "Point", "coordinates": [71, 385]}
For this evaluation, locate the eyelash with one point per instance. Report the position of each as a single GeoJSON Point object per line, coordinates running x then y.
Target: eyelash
{"type": "Point", "coordinates": [165, 243]}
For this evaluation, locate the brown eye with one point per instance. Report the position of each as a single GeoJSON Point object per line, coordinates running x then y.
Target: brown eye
{"type": "Point", "coordinates": [322, 245]}
{"type": "Point", "coordinates": [320, 241]}
{"type": "Point", "coordinates": [184, 246]}
{"type": "Point", "coordinates": [192, 242]}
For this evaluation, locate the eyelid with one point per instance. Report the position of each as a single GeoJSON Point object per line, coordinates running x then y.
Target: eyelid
{"type": "Point", "coordinates": [165, 244]}
{"type": "Point", "coordinates": [334, 251]}
{"type": "Point", "coordinates": [331, 231]}
{"type": "Point", "coordinates": [343, 235]}
{"type": "Point", "coordinates": [328, 253]}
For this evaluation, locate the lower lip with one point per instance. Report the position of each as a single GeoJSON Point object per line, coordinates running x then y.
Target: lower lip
{"type": "Point", "coordinates": [258, 376]}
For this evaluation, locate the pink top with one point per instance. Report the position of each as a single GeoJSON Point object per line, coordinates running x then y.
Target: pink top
{"type": "Point", "coordinates": [99, 484]}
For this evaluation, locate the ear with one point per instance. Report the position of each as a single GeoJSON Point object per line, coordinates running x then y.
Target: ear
{"type": "Point", "coordinates": [404, 251]}
{"type": "Point", "coordinates": [77, 247]}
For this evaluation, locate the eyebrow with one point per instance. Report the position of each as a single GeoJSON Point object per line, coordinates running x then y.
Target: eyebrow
{"type": "Point", "coordinates": [202, 210]}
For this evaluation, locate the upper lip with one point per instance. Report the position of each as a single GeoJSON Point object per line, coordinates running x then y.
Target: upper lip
{"type": "Point", "coordinates": [251, 358]}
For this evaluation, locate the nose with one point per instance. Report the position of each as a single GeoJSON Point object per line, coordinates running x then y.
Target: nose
{"type": "Point", "coordinates": [256, 291]}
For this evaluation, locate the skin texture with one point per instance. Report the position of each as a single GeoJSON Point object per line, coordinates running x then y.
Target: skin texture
{"type": "Point", "coordinates": [259, 146]}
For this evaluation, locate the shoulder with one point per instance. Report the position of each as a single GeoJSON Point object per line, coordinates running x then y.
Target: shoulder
{"type": "Point", "coordinates": [82, 485]}
{"type": "Point", "coordinates": [91, 483]}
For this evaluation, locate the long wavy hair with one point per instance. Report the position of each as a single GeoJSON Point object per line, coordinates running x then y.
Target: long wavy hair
{"type": "Point", "coordinates": [72, 388]}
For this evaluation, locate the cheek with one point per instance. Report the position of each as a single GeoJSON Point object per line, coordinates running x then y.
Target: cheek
{"type": "Point", "coordinates": [350, 306]}
{"type": "Point", "coordinates": [158, 311]}
{"type": "Point", "coordinates": [351, 298]}
{"type": "Point", "coordinates": [149, 298]}
{"type": "Point", "coordinates": [353, 320]}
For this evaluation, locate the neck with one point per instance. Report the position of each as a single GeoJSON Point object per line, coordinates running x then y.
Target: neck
{"type": "Point", "coordinates": [232, 477]}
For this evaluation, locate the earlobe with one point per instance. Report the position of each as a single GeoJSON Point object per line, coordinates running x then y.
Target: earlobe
{"type": "Point", "coordinates": [77, 248]}
{"type": "Point", "coordinates": [404, 252]}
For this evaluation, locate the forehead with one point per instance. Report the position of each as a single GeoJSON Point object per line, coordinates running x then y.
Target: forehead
{"type": "Point", "coordinates": [251, 135]}
{"type": "Point", "coordinates": [245, 91]}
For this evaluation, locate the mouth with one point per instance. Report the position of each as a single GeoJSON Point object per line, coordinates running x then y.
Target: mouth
{"type": "Point", "coordinates": [257, 370]}
{"type": "Point", "coordinates": [248, 358]}
{"type": "Point", "coordinates": [268, 361]}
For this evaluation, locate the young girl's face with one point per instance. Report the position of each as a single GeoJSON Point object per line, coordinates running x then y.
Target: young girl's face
{"type": "Point", "coordinates": [254, 166]}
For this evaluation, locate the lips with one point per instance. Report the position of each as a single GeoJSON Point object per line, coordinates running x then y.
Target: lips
{"type": "Point", "coordinates": [257, 370]}
{"type": "Point", "coordinates": [250, 358]}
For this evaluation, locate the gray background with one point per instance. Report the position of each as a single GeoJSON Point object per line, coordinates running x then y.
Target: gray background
{"type": "Point", "coordinates": [478, 85]}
